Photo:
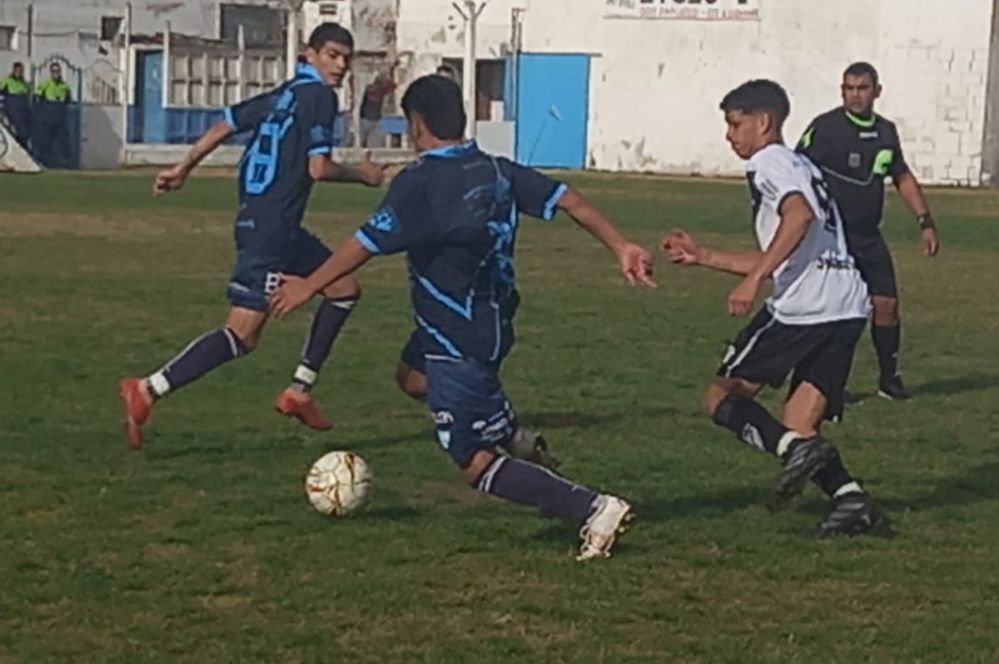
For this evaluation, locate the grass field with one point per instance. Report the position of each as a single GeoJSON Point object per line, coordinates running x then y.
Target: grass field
{"type": "Point", "coordinates": [202, 548]}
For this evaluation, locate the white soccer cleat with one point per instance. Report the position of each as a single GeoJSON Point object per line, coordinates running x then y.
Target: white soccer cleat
{"type": "Point", "coordinates": [611, 516]}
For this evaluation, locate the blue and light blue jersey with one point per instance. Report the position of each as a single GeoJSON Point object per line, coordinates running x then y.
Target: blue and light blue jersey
{"type": "Point", "coordinates": [455, 214]}
{"type": "Point", "coordinates": [290, 124]}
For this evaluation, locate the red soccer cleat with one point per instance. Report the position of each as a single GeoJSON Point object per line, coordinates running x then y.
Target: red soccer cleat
{"type": "Point", "coordinates": [299, 405]}
{"type": "Point", "coordinates": [135, 410]}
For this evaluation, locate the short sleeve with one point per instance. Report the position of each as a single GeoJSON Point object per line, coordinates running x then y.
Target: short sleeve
{"type": "Point", "coordinates": [811, 142]}
{"type": "Point", "coordinates": [536, 194]}
{"type": "Point", "coordinates": [778, 176]}
{"type": "Point", "coordinates": [319, 109]}
{"type": "Point", "coordinates": [246, 115]}
{"type": "Point", "coordinates": [400, 223]}
{"type": "Point", "coordinates": [898, 166]}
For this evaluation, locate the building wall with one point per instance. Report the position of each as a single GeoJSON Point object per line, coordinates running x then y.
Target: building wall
{"type": "Point", "coordinates": [71, 28]}
{"type": "Point", "coordinates": [655, 84]}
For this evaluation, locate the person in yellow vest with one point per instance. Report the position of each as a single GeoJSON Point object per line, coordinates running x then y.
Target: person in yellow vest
{"type": "Point", "coordinates": [15, 97]}
{"type": "Point", "coordinates": [52, 135]}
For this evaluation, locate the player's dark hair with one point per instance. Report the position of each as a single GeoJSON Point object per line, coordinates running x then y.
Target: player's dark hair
{"type": "Point", "coordinates": [330, 32]}
{"type": "Point", "coordinates": [757, 96]}
{"type": "Point", "coordinates": [438, 101]}
{"type": "Point", "coordinates": [862, 69]}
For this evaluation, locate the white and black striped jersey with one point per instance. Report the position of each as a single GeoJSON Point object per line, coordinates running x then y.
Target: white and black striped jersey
{"type": "Point", "coordinates": [819, 282]}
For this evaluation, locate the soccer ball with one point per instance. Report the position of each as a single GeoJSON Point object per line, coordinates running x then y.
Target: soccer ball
{"type": "Point", "coordinates": [338, 484]}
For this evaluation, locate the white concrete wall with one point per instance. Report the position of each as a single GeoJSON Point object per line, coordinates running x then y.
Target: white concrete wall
{"type": "Point", "coordinates": [655, 84]}
{"type": "Point", "coordinates": [71, 28]}
{"type": "Point", "coordinates": [100, 136]}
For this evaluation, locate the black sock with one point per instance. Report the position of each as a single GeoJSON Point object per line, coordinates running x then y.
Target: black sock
{"type": "Point", "coordinates": [887, 341]}
{"type": "Point", "coordinates": [750, 422]}
{"type": "Point", "coordinates": [201, 356]}
{"type": "Point", "coordinates": [833, 479]}
{"type": "Point", "coordinates": [525, 483]}
{"type": "Point", "coordinates": [326, 324]}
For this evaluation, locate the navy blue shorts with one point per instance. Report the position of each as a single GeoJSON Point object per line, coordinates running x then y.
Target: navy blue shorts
{"type": "Point", "coordinates": [256, 273]}
{"type": "Point", "coordinates": [412, 353]}
{"type": "Point", "coordinates": [471, 411]}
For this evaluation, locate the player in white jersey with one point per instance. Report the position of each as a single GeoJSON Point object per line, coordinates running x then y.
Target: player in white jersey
{"type": "Point", "coordinates": [808, 327]}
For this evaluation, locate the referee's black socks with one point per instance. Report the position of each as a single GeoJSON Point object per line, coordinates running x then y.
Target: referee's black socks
{"type": "Point", "coordinates": [887, 341]}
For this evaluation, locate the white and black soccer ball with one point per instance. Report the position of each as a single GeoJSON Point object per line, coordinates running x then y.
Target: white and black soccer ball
{"type": "Point", "coordinates": [338, 484]}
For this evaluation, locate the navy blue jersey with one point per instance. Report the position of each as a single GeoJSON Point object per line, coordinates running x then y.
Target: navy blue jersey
{"type": "Point", "coordinates": [290, 124]}
{"type": "Point", "coordinates": [455, 213]}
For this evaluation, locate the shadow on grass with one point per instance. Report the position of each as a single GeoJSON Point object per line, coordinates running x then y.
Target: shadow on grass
{"type": "Point", "coordinates": [958, 385]}
{"type": "Point", "coordinates": [974, 485]}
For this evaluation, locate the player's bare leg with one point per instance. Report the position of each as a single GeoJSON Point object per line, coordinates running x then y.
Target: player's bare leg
{"type": "Point", "coordinates": [886, 333]}
{"type": "Point", "coordinates": [852, 511]}
{"type": "Point", "coordinates": [602, 517]}
{"type": "Point", "coordinates": [236, 338]}
{"type": "Point", "coordinates": [337, 303]}
{"type": "Point", "coordinates": [524, 444]}
{"type": "Point", "coordinates": [730, 403]}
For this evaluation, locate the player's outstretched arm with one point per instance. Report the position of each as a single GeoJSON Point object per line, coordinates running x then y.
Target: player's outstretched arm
{"type": "Point", "coordinates": [296, 291]}
{"type": "Point", "coordinates": [322, 168]}
{"type": "Point", "coordinates": [910, 191]}
{"type": "Point", "coordinates": [173, 178]}
{"type": "Point", "coordinates": [682, 249]}
{"type": "Point", "coordinates": [635, 261]}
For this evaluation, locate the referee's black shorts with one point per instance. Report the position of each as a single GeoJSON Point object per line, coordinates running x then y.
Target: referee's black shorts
{"type": "Point", "coordinates": [874, 262]}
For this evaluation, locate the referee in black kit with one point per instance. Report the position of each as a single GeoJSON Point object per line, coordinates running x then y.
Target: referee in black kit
{"type": "Point", "coordinates": [857, 149]}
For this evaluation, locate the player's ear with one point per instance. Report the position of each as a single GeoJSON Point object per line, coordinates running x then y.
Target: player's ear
{"type": "Point", "coordinates": [877, 91]}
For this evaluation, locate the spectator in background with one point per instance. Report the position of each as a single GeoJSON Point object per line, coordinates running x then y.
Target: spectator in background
{"type": "Point", "coordinates": [448, 72]}
{"type": "Point", "coordinates": [15, 94]}
{"type": "Point", "coordinates": [52, 118]}
{"type": "Point", "coordinates": [371, 109]}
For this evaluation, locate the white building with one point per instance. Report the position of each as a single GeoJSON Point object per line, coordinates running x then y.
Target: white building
{"type": "Point", "coordinates": [629, 85]}
{"type": "Point", "coordinates": [655, 70]}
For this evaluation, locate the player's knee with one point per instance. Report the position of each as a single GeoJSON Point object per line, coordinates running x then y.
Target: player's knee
{"type": "Point", "coordinates": [246, 341]}
{"type": "Point", "coordinates": [473, 469]}
{"type": "Point", "coordinates": [711, 398]}
{"type": "Point", "coordinates": [885, 310]}
{"type": "Point", "coordinates": [411, 382]}
{"type": "Point", "coordinates": [343, 289]}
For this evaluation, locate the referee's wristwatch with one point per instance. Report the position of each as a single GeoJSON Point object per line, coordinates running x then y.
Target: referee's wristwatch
{"type": "Point", "coordinates": [925, 221]}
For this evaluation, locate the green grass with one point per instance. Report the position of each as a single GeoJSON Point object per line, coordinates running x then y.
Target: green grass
{"type": "Point", "coordinates": [202, 548]}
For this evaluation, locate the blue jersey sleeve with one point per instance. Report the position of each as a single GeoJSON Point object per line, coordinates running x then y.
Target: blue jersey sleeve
{"type": "Point", "coordinates": [536, 194]}
{"type": "Point", "coordinates": [246, 115]}
{"type": "Point", "coordinates": [400, 223]}
{"type": "Point", "coordinates": [319, 107]}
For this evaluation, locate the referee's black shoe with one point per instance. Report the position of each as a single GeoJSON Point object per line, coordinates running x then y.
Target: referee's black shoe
{"type": "Point", "coordinates": [893, 390]}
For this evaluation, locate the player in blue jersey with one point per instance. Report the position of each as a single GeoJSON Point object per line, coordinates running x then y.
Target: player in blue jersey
{"type": "Point", "coordinates": [454, 212]}
{"type": "Point", "coordinates": [289, 150]}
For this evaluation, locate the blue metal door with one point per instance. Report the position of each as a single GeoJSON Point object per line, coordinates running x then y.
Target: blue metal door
{"type": "Point", "coordinates": [149, 96]}
{"type": "Point", "coordinates": [552, 101]}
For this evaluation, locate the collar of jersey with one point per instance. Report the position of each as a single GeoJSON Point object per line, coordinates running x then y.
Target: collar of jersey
{"type": "Point", "coordinates": [455, 150]}
{"type": "Point", "coordinates": [308, 71]}
{"type": "Point", "coordinates": [866, 123]}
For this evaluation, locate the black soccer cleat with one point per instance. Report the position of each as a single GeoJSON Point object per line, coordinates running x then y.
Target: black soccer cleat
{"type": "Point", "coordinates": [893, 390]}
{"type": "Point", "coordinates": [851, 514]}
{"type": "Point", "coordinates": [804, 458]}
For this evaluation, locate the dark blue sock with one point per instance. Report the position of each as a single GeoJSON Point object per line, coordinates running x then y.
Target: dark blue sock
{"type": "Point", "coordinates": [327, 321]}
{"type": "Point", "coordinates": [525, 483]}
{"type": "Point", "coordinates": [201, 356]}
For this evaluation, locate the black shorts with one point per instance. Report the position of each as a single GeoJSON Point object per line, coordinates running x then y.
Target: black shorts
{"type": "Point", "coordinates": [767, 351]}
{"type": "Point", "coordinates": [875, 264]}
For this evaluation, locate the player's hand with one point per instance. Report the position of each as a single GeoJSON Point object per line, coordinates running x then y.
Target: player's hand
{"type": "Point", "coordinates": [931, 243]}
{"type": "Point", "coordinates": [741, 300]}
{"type": "Point", "coordinates": [291, 293]}
{"type": "Point", "coordinates": [681, 248]}
{"type": "Point", "coordinates": [636, 265]}
{"type": "Point", "coordinates": [170, 179]}
{"type": "Point", "coordinates": [372, 174]}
